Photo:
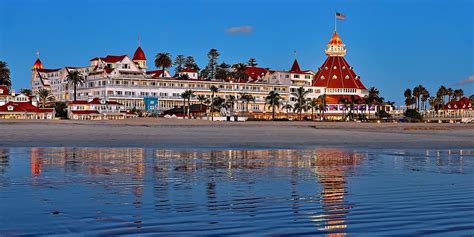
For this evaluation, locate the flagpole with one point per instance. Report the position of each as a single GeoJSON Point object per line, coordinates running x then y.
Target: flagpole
{"type": "Point", "coordinates": [335, 23]}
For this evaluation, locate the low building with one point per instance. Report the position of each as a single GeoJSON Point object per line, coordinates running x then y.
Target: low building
{"type": "Point", "coordinates": [21, 106]}
{"type": "Point", "coordinates": [97, 109]}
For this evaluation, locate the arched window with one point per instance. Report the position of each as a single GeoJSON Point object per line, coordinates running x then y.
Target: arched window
{"type": "Point", "coordinates": [334, 77]}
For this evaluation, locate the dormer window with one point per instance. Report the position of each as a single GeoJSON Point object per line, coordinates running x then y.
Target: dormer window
{"type": "Point", "coordinates": [10, 108]}
{"type": "Point", "coordinates": [343, 67]}
{"type": "Point", "coordinates": [326, 68]}
{"type": "Point", "coordinates": [334, 67]}
{"type": "Point", "coordinates": [322, 78]}
{"type": "Point", "coordinates": [357, 77]}
{"type": "Point", "coordinates": [334, 77]}
{"type": "Point", "coordinates": [347, 77]}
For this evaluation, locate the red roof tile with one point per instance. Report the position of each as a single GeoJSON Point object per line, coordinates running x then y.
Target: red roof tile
{"type": "Point", "coordinates": [4, 90]}
{"type": "Point", "coordinates": [336, 73]}
{"type": "Point", "coordinates": [463, 103]}
{"type": "Point", "coordinates": [255, 72]}
{"type": "Point", "coordinates": [295, 68]}
{"type": "Point", "coordinates": [38, 64]}
{"type": "Point", "coordinates": [113, 59]}
{"type": "Point", "coordinates": [139, 54]}
{"type": "Point", "coordinates": [24, 107]}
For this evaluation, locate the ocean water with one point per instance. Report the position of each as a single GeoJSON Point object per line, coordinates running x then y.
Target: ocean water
{"type": "Point", "coordinates": [332, 192]}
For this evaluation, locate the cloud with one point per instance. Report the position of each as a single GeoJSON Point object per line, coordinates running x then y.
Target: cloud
{"type": "Point", "coordinates": [239, 30]}
{"type": "Point", "coordinates": [470, 79]}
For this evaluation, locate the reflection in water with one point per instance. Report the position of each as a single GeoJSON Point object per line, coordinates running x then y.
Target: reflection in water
{"type": "Point", "coordinates": [4, 160]}
{"type": "Point", "coordinates": [130, 190]}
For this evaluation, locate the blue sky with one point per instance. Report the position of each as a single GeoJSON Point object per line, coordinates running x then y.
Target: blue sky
{"type": "Point", "coordinates": [392, 44]}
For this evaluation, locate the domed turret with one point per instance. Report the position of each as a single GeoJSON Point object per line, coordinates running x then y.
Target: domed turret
{"type": "Point", "coordinates": [335, 46]}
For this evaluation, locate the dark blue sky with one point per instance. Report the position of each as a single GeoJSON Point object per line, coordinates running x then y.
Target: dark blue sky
{"type": "Point", "coordinates": [392, 44]}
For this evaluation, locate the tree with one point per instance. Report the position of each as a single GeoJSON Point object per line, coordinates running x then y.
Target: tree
{"type": "Point", "coordinates": [252, 62]}
{"type": "Point", "coordinates": [450, 94]}
{"type": "Point", "coordinates": [202, 100]}
{"type": "Point", "coordinates": [273, 99]}
{"type": "Point", "coordinates": [190, 63]}
{"type": "Point", "coordinates": [27, 92]}
{"type": "Point", "coordinates": [223, 70]}
{"type": "Point", "coordinates": [183, 76]}
{"type": "Point", "coordinates": [60, 109]}
{"type": "Point", "coordinates": [214, 90]}
{"type": "Point", "coordinates": [246, 99]}
{"type": "Point", "coordinates": [322, 100]}
{"type": "Point", "coordinates": [231, 102]}
{"type": "Point", "coordinates": [301, 103]}
{"type": "Point", "coordinates": [239, 72]}
{"type": "Point", "coordinates": [179, 62]}
{"type": "Point", "coordinates": [75, 78]}
{"type": "Point", "coordinates": [164, 61]}
{"type": "Point", "coordinates": [344, 102]}
{"type": "Point", "coordinates": [44, 97]}
{"type": "Point", "coordinates": [218, 102]}
{"type": "Point", "coordinates": [408, 97]}
{"type": "Point", "coordinates": [5, 74]}
{"type": "Point", "coordinates": [425, 95]}
{"type": "Point", "coordinates": [211, 67]}
{"type": "Point", "coordinates": [187, 95]}
{"type": "Point", "coordinates": [288, 107]}
{"type": "Point", "coordinates": [441, 93]}
{"type": "Point", "coordinates": [373, 98]}
{"type": "Point", "coordinates": [458, 93]}
{"type": "Point", "coordinates": [417, 93]}
{"type": "Point", "coordinates": [314, 104]}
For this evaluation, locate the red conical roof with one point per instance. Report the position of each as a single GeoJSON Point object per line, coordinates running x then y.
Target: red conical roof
{"type": "Point", "coordinates": [335, 39]}
{"type": "Point", "coordinates": [336, 73]}
{"type": "Point", "coordinates": [139, 54]}
{"type": "Point", "coordinates": [295, 67]}
{"type": "Point", "coordinates": [38, 64]}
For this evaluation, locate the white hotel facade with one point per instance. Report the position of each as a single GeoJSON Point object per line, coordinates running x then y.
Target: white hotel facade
{"type": "Point", "coordinates": [126, 80]}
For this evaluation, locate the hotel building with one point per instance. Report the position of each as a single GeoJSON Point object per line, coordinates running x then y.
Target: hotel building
{"type": "Point", "coordinates": [127, 81]}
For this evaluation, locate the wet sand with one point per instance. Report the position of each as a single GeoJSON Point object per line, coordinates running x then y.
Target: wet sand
{"type": "Point", "coordinates": [174, 133]}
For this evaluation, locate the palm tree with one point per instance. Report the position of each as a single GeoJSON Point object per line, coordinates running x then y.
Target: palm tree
{"type": "Point", "coordinates": [458, 93]}
{"type": "Point", "coordinates": [344, 102]}
{"type": "Point", "coordinates": [214, 90]}
{"type": "Point", "coordinates": [218, 102]}
{"type": "Point", "coordinates": [190, 94]}
{"type": "Point", "coordinates": [301, 103]}
{"type": "Point", "coordinates": [75, 78]}
{"type": "Point", "coordinates": [202, 100]}
{"type": "Point", "coordinates": [450, 94]}
{"type": "Point", "coordinates": [44, 97]}
{"type": "Point", "coordinates": [164, 61]}
{"type": "Point", "coordinates": [441, 93]}
{"type": "Point", "coordinates": [288, 107]}
{"type": "Point", "coordinates": [314, 104]}
{"type": "Point", "coordinates": [322, 101]}
{"type": "Point", "coordinates": [5, 74]}
{"type": "Point", "coordinates": [246, 99]}
{"type": "Point", "coordinates": [408, 97]}
{"type": "Point", "coordinates": [425, 95]}
{"type": "Point", "coordinates": [417, 93]}
{"type": "Point", "coordinates": [239, 72]}
{"type": "Point", "coordinates": [372, 98]}
{"type": "Point", "coordinates": [185, 96]}
{"type": "Point", "coordinates": [231, 101]}
{"type": "Point", "coordinates": [27, 92]}
{"type": "Point", "coordinates": [273, 99]}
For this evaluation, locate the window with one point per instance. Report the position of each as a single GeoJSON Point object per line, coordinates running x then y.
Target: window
{"type": "Point", "coordinates": [296, 76]}
{"type": "Point", "coordinates": [334, 67]}
{"type": "Point", "coordinates": [347, 77]}
{"type": "Point", "coordinates": [322, 78]}
{"type": "Point", "coordinates": [307, 76]}
{"type": "Point", "coordinates": [334, 77]}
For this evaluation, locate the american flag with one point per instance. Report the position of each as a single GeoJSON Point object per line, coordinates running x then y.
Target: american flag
{"type": "Point", "coordinates": [339, 16]}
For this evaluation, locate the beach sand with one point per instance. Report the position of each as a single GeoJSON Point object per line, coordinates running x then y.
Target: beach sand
{"type": "Point", "coordinates": [193, 134]}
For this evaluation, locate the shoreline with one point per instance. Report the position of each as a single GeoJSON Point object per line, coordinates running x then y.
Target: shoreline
{"type": "Point", "coordinates": [201, 134]}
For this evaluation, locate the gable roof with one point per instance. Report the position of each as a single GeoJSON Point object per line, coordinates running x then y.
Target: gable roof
{"type": "Point", "coordinates": [463, 103]}
{"type": "Point", "coordinates": [24, 107]}
{"type": "Point", "coordinates": [255, 72]}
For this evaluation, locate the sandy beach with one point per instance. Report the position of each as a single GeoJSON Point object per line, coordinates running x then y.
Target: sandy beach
{"type": "Point", "coordinates": [173, 133]}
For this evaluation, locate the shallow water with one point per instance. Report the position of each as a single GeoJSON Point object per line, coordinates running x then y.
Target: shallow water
{"type": "Point", "coordinates": [110, 191]}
